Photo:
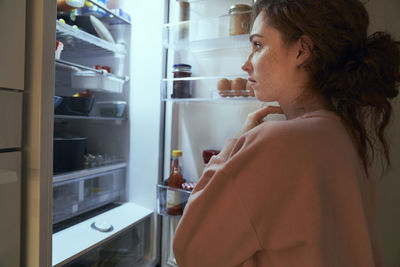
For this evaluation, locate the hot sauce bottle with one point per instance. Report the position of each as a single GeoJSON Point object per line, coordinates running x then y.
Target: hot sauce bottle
{"type": "Point", "coordinates": [174, 201]}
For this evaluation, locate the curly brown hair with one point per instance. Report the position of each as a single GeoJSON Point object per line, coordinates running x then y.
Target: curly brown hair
{"type": "Point", "coordinates": [356, 73]}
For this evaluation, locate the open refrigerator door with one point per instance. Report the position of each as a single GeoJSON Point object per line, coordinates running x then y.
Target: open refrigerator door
{"type": "Point", "coordinates": [205, 91]}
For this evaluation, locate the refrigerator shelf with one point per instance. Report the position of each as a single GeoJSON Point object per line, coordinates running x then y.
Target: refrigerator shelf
{"type": "Point", "coordinates": [236, 41]}
{"type": "Point", "coordinates": [77, 43]}
{"type": "Point", "coordinates": [95, 118]}
{"type": "Point", "coordinates": [113, 18]}
{"type": "Point", "coordinates": [216, 99]}
{"type": "Point", "coordinates": [70, 66]}
{"type": "Point", "coordinates": [203, 34]}
{"type": "Point", "coordinates": [205, 89]}
{"type": "Point", "coordinates": [87, 172]}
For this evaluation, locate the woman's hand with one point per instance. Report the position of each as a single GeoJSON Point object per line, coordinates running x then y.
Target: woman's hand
{"type": "Point", "coordinates": [257, 117]}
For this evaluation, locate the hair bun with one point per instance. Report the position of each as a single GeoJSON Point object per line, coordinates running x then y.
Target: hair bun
{"type": "Point", "coordinates": [382, 56]}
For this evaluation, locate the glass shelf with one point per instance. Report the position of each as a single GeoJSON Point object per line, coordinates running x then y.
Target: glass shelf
{"type": "Point", "coordinates": [66, 65]}
{"type": "Point", "coordinates": [113, 18]}
{"type": "Point", "coordinates": [97, 118]}
{"type": "Point", "coordinates": [88, 172]}
{"type": "Point", "coordinates": [235, 41]}
{"type": "Point", "coordinates": [77, 43]}
{"type": "Point", "coordinates": [206, 89]}
{"type": "Point", "coordinates": [203, 34]}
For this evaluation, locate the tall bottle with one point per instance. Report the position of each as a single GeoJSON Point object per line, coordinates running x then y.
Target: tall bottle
{"type": "Point", "coordinates": [174, 199]}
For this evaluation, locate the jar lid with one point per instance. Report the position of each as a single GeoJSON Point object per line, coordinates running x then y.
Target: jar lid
{"type": "Point", "coordinates": [239, 8]}
{"type": "Point", "coordinates": [176, 153]}
{"type": "Point", "coordinates": [182, 65]}
{"type": "Point", "coordinates": [182, 68]}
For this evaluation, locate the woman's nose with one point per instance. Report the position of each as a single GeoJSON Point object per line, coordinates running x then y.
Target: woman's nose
{"type": "Point", "coordinates": [246, 66]}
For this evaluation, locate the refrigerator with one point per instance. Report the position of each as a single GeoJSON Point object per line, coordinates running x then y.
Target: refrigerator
{"type": "Point", "coordinates": [111, 211]}
{"type": "Point", "coordinates": [104, 204]}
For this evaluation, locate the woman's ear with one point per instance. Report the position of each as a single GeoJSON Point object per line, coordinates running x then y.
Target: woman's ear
{"type": "Point", "coordinates": [305, 47]}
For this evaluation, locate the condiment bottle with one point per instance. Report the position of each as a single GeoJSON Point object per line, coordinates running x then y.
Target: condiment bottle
{"type": "Point", "coordinates": [182, 89]}
{"type": "Point", "coordinates": [239, 22]}
{"type": "Point", "coordinates": [174, 199]}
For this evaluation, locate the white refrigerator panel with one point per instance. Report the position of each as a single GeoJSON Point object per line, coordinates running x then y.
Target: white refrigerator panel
{"type": "Point", "coordinates": [10, 208]}
{"type": "Point", "coordinates": [10, 119]}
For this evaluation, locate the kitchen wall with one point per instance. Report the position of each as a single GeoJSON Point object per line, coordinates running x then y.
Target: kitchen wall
{"type": "Point", "coordinates": [384, 15]}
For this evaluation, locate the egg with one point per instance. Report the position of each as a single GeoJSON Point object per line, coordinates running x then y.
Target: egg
{"type": "Point", "coordinates": [249, 89]}
{"type": "Point", "coordinates": [238, 85]}
{"type": "Point", "coordinates": [224, 85]}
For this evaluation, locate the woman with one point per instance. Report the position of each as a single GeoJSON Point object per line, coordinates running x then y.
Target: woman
{"type": "Point", "coordinates": [299, 192]}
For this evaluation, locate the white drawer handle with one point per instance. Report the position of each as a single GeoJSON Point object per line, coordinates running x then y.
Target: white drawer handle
{"type": "Point", "coordinates": [8, 176]}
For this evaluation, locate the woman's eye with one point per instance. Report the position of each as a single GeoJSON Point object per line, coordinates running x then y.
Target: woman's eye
{"type": "Point", "coordinates": [257, 46]}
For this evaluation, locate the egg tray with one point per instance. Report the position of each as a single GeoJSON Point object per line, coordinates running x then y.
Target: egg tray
{"type": "Point", "coordinates": [236, 93]}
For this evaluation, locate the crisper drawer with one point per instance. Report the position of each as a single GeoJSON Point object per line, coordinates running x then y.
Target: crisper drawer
{"type": "Point", "coordinates": [10, 119]}
{"type": "Point", "coordinates": [73, 197]}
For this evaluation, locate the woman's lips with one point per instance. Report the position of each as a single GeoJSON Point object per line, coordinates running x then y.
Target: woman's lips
{"type": "Point", "coordinates": [251, 81]}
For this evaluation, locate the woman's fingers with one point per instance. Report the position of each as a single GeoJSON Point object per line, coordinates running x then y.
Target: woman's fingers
{"type": "Point", "coordinates": [257, 117]}
{"type": "Point", "coordinates": [260, 114]}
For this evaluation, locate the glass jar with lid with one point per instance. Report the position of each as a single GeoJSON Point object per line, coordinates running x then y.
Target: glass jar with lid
{"type": "Point", "coordinates": [239, 22]}
{"type": "Point", "coordinates": [182, 89]}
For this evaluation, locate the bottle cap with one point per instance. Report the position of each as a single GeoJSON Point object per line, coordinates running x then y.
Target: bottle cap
{"type": "Point", "coordinates": [176, 153]}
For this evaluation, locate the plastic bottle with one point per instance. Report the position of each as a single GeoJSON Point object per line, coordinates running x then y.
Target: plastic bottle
{"type": "Point", "coordinates": [174, 203]}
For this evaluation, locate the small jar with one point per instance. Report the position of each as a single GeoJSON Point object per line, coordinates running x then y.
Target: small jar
{"type": "Point", "coordinates": [182, 89]}
{"type": "Point", "coordinates": [239, 22]}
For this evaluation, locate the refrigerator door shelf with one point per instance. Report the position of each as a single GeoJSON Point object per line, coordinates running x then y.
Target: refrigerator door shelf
{"type": "Point", "coordinates": [180, 197]}
{"type": "Point", "coordinates": [10, 119]}
{"type": "Point", "coordinates": [206, 88]}
{"type": "Point", "coordinates": [203, 45]}
{"type": "Point", "coordinates": [205, 34]}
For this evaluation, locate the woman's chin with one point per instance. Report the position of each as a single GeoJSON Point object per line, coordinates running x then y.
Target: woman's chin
{"type": "Point", "coordinates": [263, 98]}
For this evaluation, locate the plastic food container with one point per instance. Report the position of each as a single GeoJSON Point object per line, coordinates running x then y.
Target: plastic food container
{"type": "Point", "coordinates": [111, 108]}
{"type": "Point", "coordinates": [97, 82]}
{"type": "Point", "coordinates": [79, 106]}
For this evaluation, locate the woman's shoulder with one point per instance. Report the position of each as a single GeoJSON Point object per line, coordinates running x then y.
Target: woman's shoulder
{"type": "Point", "coordinates": [310, 127]}
{"type": "Point", "coordinates": [309, 135]}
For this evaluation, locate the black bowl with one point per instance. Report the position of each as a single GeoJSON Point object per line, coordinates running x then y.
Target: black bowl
{"type": "Point", "coordinates": [80, 106]}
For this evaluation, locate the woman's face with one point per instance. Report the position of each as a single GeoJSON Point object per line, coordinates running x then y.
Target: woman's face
{"type": "Point", "coordinates": [271, 65]}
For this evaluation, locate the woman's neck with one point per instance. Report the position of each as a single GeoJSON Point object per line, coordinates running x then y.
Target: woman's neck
{"type": "Point", "coordinates": [303, 105]}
